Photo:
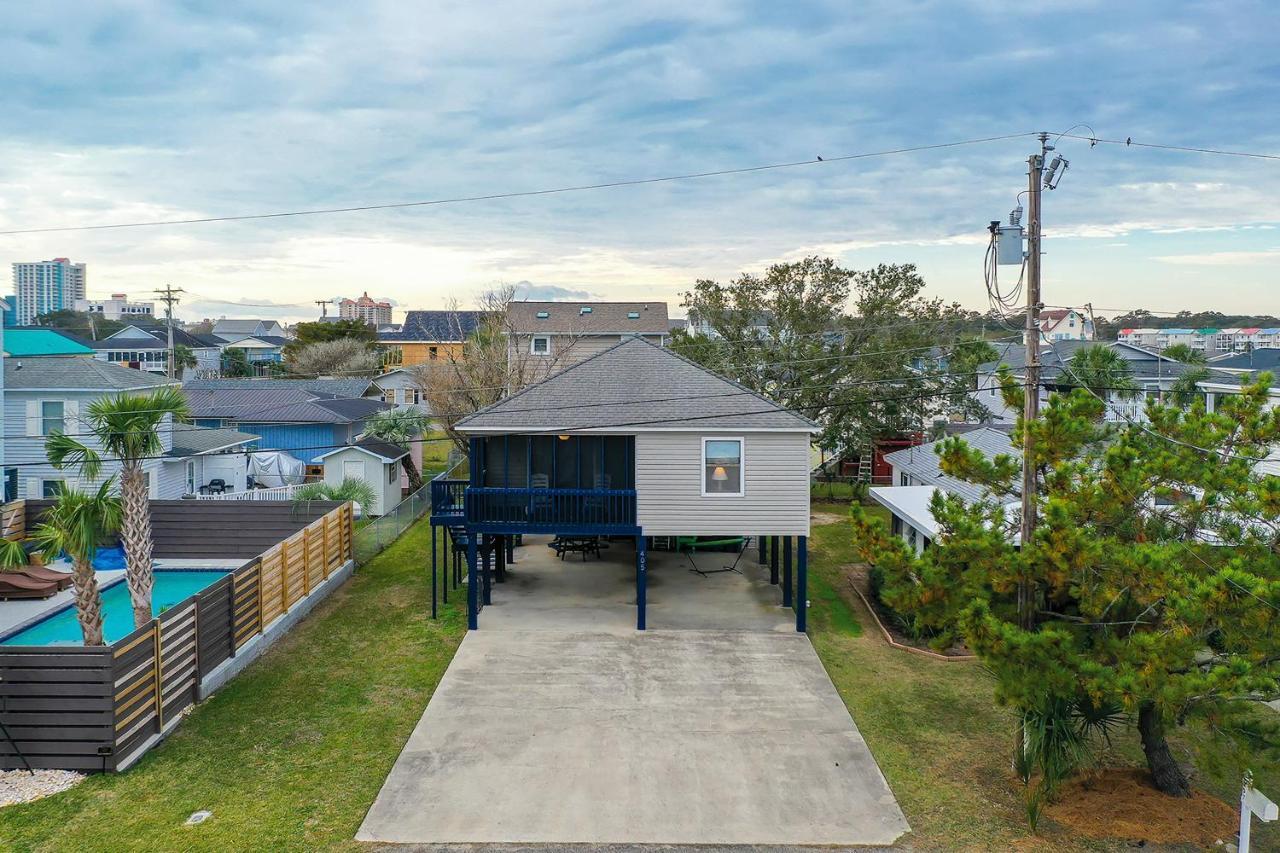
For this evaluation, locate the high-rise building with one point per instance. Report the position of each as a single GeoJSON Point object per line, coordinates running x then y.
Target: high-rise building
{"type": "Point", "coordinates": [43, 286]}
{"type": "Point", "coordinates": [369, 310]}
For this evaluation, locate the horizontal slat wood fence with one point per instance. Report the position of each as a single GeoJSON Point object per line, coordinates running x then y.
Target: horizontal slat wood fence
{"type": "Point", "coordinates": [97, 708]}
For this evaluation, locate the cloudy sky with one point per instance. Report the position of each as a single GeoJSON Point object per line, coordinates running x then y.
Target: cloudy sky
{"type": "Point", "coordinates": [126, 111]}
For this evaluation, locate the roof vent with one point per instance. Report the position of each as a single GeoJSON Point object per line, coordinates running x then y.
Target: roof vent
{"type": "Point", "coordinates": [585, 309]}
{"type": "Point", "coordinates": [542, 315]}
{"type": "Point", "coordinates": [633, 315]}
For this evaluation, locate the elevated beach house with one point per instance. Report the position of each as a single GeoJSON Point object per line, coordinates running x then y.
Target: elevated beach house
{"type": "Point", "coordinates": [637, 444]}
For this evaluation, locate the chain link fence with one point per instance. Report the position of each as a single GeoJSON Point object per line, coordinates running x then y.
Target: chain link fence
{"type": "Point", "coordinates": [372, 538]}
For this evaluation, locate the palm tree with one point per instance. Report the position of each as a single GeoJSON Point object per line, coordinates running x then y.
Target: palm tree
{"type": "Point", "coordinates": [1185, 354]}
{"type": "Point", "coordinates": [77, 523]}
{"type": "Point", "coordinates": [183, 357]}
{"type": "Point", "coordinates": [125, 427]}
{"type": "Point", "coordinates": [1100, 369]}
{"type": "Point", "coordinates": [400, 426]}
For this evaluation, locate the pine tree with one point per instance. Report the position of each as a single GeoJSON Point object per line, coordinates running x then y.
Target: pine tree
{"type": "Point", "coordinates": [1155, 564]}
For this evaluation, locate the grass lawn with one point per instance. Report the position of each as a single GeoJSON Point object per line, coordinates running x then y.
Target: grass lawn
{"type": "Point", "coordinates": [939, 738]}
{"type": "Point", "coordinates": [435, 453]}
{"type": "Point", "coordinates": [289, 755]}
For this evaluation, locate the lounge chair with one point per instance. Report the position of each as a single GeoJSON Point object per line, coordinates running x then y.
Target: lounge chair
{"type": "Point", "coordinates": [18, 585]}
{"type": "Point", "coordinates": [45, 574]}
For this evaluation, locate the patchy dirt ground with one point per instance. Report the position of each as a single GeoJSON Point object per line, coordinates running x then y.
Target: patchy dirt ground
{"type": "Point", "coordinates": [1121, 803]}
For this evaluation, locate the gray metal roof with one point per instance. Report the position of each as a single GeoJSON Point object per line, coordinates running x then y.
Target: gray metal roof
{"type": "Point", "coordinates": [922, 461]}
{"type": "Point", "coordinates": [603, 318]}
{"type": "Point", "coordinates": [323, 387]}
{"type": "Point", "coordinates": [278, 405]}
{"type": "Point", "coordinates": [190, 440]}
{"type": "Point", "coordinates": [635, 386]}
{"type": "Point", "coordinates": [434, 326]}
{"type": "Point", "coordinates": [76, 373]}
{"type": "Point", "coordinates": [1262, 358]}
{"type": "Point", "coordinates": [1145, 364]}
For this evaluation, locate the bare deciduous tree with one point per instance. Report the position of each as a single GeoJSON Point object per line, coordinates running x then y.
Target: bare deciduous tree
{"type": "Point", "coordinates": [339, 357]}
{"type": "Point", "coordinates": [492, 364]}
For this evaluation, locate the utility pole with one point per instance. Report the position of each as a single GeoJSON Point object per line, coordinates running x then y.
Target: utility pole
{"type": "Point", "coordinates": [169, 296]}
{"type": "Point", "coordinates": [324, 307]}
{"type": "Point", "coordinates": [1031, 392]}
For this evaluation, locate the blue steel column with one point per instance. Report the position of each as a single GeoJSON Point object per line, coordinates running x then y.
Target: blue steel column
{"type": "Point", "coordinates": [642, 582]}
{"type": "Point", "coordinates": [786, 571]}
{"type": "Point", "coordinates": [802, 584]}
{"type": "Point", "coordinates": [473, 604]}
{"type": "Point", "coordinates": [433, 571]}
{"type": "Point", "coordinates": [773, 560]}
{"type": "Point", "coordinates": [762, 543]}
{"type": "Point", "coordinates": [486, 554]}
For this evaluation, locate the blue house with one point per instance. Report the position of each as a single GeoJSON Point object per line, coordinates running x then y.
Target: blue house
{"type": "Point", "coordinates": [302, 417]}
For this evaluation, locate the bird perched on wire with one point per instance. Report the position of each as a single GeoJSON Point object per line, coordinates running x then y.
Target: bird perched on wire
{"type": "Point", "coordinates": [820, 158]}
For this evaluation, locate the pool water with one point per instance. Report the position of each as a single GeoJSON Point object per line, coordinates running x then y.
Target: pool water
{"type": "Point", "coordinates": [62, 628]}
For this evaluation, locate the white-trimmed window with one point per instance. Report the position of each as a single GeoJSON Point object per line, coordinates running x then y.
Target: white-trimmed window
{"type": "Point", "coordinates": [51, 488]}
{"type": "Point", "coordinates": [722, 467]}
{"type": "Point", "coordinates": [52, 417]}
{"type": "Point", "coordinates": [540, 345]}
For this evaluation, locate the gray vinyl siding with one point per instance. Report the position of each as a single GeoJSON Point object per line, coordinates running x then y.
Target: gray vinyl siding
{"type": "Point", "coordinates": [669, 500]}
{"type": "Point", "coordinates": [568, 350]}
{"type": "Point", "coordinates": [27, 452]}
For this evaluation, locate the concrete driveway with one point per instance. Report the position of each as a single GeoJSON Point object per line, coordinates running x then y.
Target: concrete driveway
{"type": "Point", "coordinates": [555, 726]}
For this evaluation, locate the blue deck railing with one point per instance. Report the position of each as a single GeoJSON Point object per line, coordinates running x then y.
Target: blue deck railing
{"type": "Point", "coordinates": [551, 510]}
{"type": "Point", "coordinates": [447, 498]}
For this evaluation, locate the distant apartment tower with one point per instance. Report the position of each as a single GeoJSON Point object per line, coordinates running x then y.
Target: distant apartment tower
{"type": "Point", "coordinates": [44, 286]}
{"type": "Point", "coordinates": [118, 307]}
{"type": "Point", "coordinates": [369, 310]}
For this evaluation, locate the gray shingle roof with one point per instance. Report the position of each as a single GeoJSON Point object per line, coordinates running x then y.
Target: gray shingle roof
{"type": "Point", "coordinates": [379, 448]}
{"type": "Point", "coordinates": [189, 440]}
{"type": "Point", "coordinates": [922, 461]}
{"type": "Point", "coordinates": [76, 373]}
{"type": "Point", "coordinates": [435, 326]}
{"type": "Point", "coordinates": [604, 318]}
{"type": "Point", "coordinates": [635, 386]}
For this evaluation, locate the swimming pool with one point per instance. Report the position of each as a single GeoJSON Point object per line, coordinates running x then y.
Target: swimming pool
{"type": "Point", "coordinates": [61, 628]}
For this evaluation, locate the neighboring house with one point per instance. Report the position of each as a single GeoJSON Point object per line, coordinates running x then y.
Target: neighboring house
{"type": "Point", "coordinates": [378, 463]}
{"type": "Point", "coordinates": [550, 336]}
{"type": "Point", "coordinates": [34, 342]}
{"type": "Point", "coordinates": [399, 388]}
{"type": "Point", "coordinates": [50, 393]}
{"type": "Point", "coordinates": [427, 336]}
{"type": "Point", "coordinates": [146, 347]}
{"type": "Point", "coordinates": [917, 474]}
{"type": "Point", "coordinates": [759, 324]}
{"type": "Point", "coordinates": [1250, 361]}
{"type": "Point", "coordinates": [1144, 338]}
{"type": "Point", "coordinates": [636, 441]}
{"type": "Point", "coordinates": [236, 329]}
{"type": "Point", "coordinates": [1152, 374]}
{"type": "Point", "coordinates": [301, 417]}
{"type": "Point", "coordinates": [1175, 337]}
{"type": "Point", "coordinates": [261, 351]}
{"type": "Point", "coordinates": [1065, 324]}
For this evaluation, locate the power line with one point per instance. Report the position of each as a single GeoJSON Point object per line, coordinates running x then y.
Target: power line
{"type": "Point", "coordinates": [518, 194]}
{"type": "Point", "coordinates": [1129, 142]}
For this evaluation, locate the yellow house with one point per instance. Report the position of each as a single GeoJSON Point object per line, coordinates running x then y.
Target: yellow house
{"type": "Point", "coordinates": [427, 336]}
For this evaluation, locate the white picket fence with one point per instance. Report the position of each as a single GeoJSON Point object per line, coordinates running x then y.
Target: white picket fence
{"type": "Point", "coordinates": [276, 493]}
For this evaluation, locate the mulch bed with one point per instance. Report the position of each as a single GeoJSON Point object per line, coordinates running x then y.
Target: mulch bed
{"type": "Point", "coordinates": [1122, 803]}
{"type": "Point", "coordinates": [856, 577]}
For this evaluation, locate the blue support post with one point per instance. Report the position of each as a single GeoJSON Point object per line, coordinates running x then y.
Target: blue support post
{"type": "Point", "coordinates": [473, 603]}
{"type": "Point", "coordinates": [500, 558]}
{"type": "Point", "coordinates": [486, 553]}
{"type": "Point", "coordinates": [773, 560]}
{"type": "Point", "coordinates": [433, 572]}
{"type": "Point", "coordinates": [511, 549]}
{"type": "Point", "coordinates": [802, 585]}
{"type": "Point", "coordinates": [786, 571]}
{"type": "Point", "coordinates": [762, 545]}
{"type": "Point", "coordinates": [642, 582]}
